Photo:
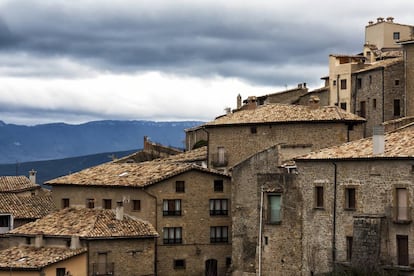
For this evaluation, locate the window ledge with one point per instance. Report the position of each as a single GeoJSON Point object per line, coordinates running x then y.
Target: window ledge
{"type": "Point", "coordinates": [274, 223]}
{"type": "Point", "coordinates": [407, 221]}
{"type": "Point", "coordinates": [350, 209]}
{"type": "Point", "coordinates": [319, 208]}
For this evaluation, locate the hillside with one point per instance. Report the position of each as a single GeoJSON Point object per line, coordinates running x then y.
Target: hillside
{"type": "Point", "coordinates": [20, 144]}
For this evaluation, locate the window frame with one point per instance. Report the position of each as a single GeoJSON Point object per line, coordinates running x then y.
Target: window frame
{"type": "Point", "coordinates": [177, 266]}
{"type": "Point", "coordinates": [396, 35]}
{"type": "Point", "coordinates": [350, 198]}
{"type": "Point", "coordinates": [180, 186]}
{"type": "Point", "coordinates": [343, 84]}
{"type": "Point", "coordinates": [136, 205]}
{"type": "Point", "coordinates": [219, 234]}
{"type": "Point", "coordinates": [397, 107]}
{"type": "Point", "coordinates": [65, 203]}
{"type": "Point", "coordinates": [269, 209]}
{"type": "Point", "coordinates": [90, 203]}
{"type": "Point", "coordinates": [223, 209]}
{"type": "Point", "coordinates": [106, 202]}
{"type": "Point", "coordinates": [174, 204]}
{"type": "Point", "coordinates": [218, 185]}
{"type": "Point", "coordinates": [319, 197]}
{"type": "Point", "coordinates": [176, 239]}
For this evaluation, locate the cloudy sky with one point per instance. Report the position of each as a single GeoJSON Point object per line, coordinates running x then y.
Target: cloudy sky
{"type": "Point", "coordinates": [82, 60]}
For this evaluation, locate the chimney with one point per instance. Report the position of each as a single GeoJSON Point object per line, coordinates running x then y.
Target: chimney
{"type": "Point", "coordinates": [251, 102]}
{"type": "Point", "coordinates": [32, 176]}
{"type": "Point", "coordinates": [74, 242]}
{"type": "Point", "coordinates": [227, 110]}
{"type": "Point", "coordinates": [380, 19]}
{"type": "Point", "coordinates": [119, 211]}
{"type": "Point", "coordinates": [370, 22]}
{"type": "Point", "coordinates": [147, 146]}
{"type": "Point", "coordinates": [378, 140]}
{"type": "Point", "coordinates": [39, 241]}
{"type": "Point", "coordinates": [239, 101]}
{"type": "Point", "coordinates": [314, 102]}
{"type": "Point", "coordinates": [390, 19]}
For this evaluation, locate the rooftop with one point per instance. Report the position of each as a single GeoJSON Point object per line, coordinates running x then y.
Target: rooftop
{"type": "Point", "coordinates": [87, 223]}
{"type": "Point", "coordinates": [380, 64]}
{"type": "Point", "coordinates": [28, 257]}
{"type": "Point", "coordinates": [283, 113]}
{"type": "Point", "coordinates": [398, 144]}
{"type": "Point", "coordinates": [13, 184]}
{"type": "Point", "coordinates": [26, 207]}
{"type": "Point", "coordinates": [137, 174]}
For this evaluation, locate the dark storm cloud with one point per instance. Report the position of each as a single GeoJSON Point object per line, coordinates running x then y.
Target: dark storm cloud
{"type": "Point", "coordinates": [190, 41]}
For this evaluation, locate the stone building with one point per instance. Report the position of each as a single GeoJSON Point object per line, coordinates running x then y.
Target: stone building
{"type": "Point", "coordinates": [266, 217]}
{"type": "Point", "coordinates": [357, 205]}
{"type": "Point", "coordinates": [408, 47]}
{"type": "Point", "coordinates": [188, 204]}
{"type": "Point", "coordinates": [236, 136]}
{"type": "Point", "coordinates": [378, 92]}
{"type": "Point", "coordinates": [105, 242]}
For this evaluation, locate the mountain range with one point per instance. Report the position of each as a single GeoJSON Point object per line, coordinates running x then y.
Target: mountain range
{"type": "Point", "coordinates": [19, 143]}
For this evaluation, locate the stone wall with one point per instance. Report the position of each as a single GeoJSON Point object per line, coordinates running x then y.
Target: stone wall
{"type": "Point", "coordinates": [375, 183]}
{"type": "Point", "coordinates": [409, 71]}
{"type": "Point", "coordinates": [279, 250]}
{"type": "Point", "coordinates": [240, 143]}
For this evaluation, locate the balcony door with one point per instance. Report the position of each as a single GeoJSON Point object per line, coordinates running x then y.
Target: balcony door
{"type": "Point", "coordinates": [402, 203]}
{"type": "Point", "coordinates": [211, 267]}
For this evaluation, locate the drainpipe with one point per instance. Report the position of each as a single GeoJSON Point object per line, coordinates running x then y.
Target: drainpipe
{"type": "Point", "coordinates": [156, 227]}
{"type": "Point", "coordinates": [334, 219]}
{"type": "Point", "coordinates": [383, 96]}
{"type": "Point", "coordinates": [337, 90]}
{"type": "Point", "coordinates": [260, 230]}
{"type": "Point", "coordinates": [208, 146]}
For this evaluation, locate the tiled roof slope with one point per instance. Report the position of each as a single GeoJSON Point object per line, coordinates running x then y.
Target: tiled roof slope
{"type": "Point", "coordinates": [129, 174]}
{"type": "Point", "coordinates": [16, 184]}
{"type": "Point", "coordinates": [87, 223]}
{"type": "Point", "coordinates": [398, 144]}
{"type": "Point", "coordinates": [188, 156]}
{"type": "Point", "coordinates": [27, 207]}
{"type": "Point", "coordinates": [282, 113]}
{"type": "Point", "coordinates": [28, 257]}
{"type": "Point", "coordinates": [380, 64]}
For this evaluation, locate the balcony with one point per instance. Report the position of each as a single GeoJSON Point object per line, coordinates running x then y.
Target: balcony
{"type": "Point", "coordinates": [168, 213]}
{"type": "Point", "coordinates": [103, 269]}
{"type": "Point", "coordinates": [219, 159]}
{"type": "Point", "coordinates": [219, 212]}
{"type": "Point", "coordinates": [401, 215]}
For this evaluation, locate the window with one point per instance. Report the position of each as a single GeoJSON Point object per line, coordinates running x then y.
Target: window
{"type": "Point", "coordinates": [334, 82]}
{"type": "Point", "coordinates": [171, 207]}
{"type": "Point", "coordinates": [179, 264]}
{"type": "Point", "coordinates": [65, 203]}
{"type": "Point", "coordinates": [90, 203]}
{"type": "Point", "coordinates": [219, 234]}
{"type": "Point", "coordinates": [350, 203]}
{"type": "Point", "coordinates": [374, 103]}
{"type": "Point", "coordinates": [274, 208]}
{"type": "Point", "coordinates": [402, 250]}
{"type": "Point", "coordinates": [396, 35]}
{"type": "Point", "coordinates": [60, 271]}
{"type": "Point", "coordinates": [218, 185]}
{"type": "Point", "coordinates": [253, 129]}
{"type": "Point", "coordinates": [402, 204]}
{"type": "Point", "coordinates": [343, 84]}
{"type": "Point", "coordinates": [370, 79]}
{"type": "Point", "coordinates": [363, 109]}
{"type": "Point", "coordinates": [228, 261]}
{"type": "Point", "coordinates": [136, 205]}
{"type": "Point", "coordinates": [218, 207]}
{"type": "Point", "coordinates": [319, 197]}
{"type": "Point", "coordinates": [343, 106]}
{"type": "Point", "coordinates": [5, 220]}
{"type": "Point", "coordinates": [172, 235]}
{"type": "Point", "coordinates": [397, 107]}
{"type": "Point", "coordinates": [396, 82]}
{"type": "Point", "coordinates": [179, 186]}
{"type": "Point", "coordinates": [107, 203]}
{"type": "Point", "coordinates": [221, 155]}
{"type": "Point", "coordinates": [359, 83]}
{"type": "Point", "coordinates": [349, 241]}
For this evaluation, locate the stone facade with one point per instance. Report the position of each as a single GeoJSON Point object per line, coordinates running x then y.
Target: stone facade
{"type": "Point", "coordinates": [195, 220]}
{"type": "Point", "coordinates": [409, 71]}
{"type": "Point", "coordinates": [262, 246]}
{"type": "Point", "coordinates": [376, 91]}
{"type": "Point", "coordinates": [337, 230]}
{"type": "Point", "coordinates": [240, 143]}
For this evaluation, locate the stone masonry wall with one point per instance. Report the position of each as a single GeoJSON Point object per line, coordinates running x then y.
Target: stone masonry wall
{"type": "Point", "coordinates": [375, 183]}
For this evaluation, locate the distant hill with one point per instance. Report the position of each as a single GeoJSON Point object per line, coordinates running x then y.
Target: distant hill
{"type": "Point", "coordinates": [49, 169]}
{"type": "Point", "coordinates": [20, 144]}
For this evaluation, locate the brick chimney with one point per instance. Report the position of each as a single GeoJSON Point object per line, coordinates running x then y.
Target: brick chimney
{"type": "Point", "coordinates": [74, 242]}
{"type": "Point", "coordinates": [39, 241]}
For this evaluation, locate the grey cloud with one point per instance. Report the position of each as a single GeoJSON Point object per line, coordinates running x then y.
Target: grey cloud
{"type": "Point", "coordinates": [194, 42]}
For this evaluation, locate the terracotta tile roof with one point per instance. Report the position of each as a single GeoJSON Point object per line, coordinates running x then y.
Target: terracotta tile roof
{"type": "Point", "coordinates": [16, 184]}
{"type": "Point", "coordinates": [87, 223]}
{"type": "Point", "coordinates": [398, 144]}
{"type": "Point", "coordinates": [281, 113]}
{"type": "Point", "coordinates": [132, 174]}
{"type": "Point", "coordinates": [26, 207]}
{"type": "Point", "coordinates": [28, 257]}
{"type": "Point", "coordinates": [380, 64]}
{"type": "Point", "coordinates": [188, 156]}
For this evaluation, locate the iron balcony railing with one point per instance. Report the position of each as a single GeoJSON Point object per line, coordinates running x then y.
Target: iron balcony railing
{"type": "Point", "coordinates": [103, 269]}
{"type": "Point", "coordinates": [219, 159]}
